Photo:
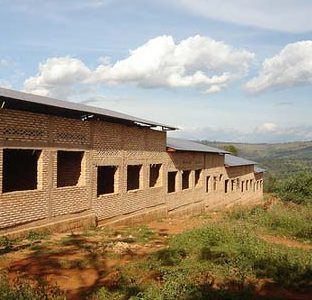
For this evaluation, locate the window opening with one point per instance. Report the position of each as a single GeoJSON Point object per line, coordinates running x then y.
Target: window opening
{"type": "Point", "coordinates": [106, 180]}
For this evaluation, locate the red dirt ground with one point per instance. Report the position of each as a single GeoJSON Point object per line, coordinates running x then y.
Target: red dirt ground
{"type": "Point", "coordinates": [79, 263]}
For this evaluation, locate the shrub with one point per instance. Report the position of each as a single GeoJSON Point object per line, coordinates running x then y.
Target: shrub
{"type": "Point", "coordinates": [270, 184]}
{"type": "Point", "coordinates": [298, 188]}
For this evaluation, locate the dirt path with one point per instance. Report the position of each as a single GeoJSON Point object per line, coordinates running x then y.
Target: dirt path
{"type": "Point", "coordinates": [285, 242]}
{"type": "Point", "coordinates": [178, 225]}
{"type": "Point", "coordinates": [81, 262]}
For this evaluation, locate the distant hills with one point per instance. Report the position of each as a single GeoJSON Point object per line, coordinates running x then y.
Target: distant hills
{"type": "Point", "coordinates": [280, 160]}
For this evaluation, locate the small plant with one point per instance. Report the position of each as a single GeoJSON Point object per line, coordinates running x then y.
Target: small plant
{"type": "Point", "coordinates": [141, 234]}
{"type": "Point", "coordinates": [73, 264]}
{"type": "Point", "coordinates": [101, 294]}
{"type": "Point", "coordinates": [22, 289]}
{"type": "Point", "coordinates": [5, 242]}
{"type": "Point", "coordinates": [36, 236]}
{"type": "Point", "coordinates": [169, 257]}
{"type": "Point", "coordinates": [71, 240]}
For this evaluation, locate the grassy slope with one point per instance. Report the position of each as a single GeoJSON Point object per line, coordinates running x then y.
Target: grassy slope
{"type": "Point", "coordinates": [246, 253]}
{"type": "Point", "coordinates": [224, 260]}
{"type": "Point", "coordinates": [279, 159]}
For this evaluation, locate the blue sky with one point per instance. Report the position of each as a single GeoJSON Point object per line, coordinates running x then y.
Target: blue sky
{"type": "Point", "coordinates": [238, 71]}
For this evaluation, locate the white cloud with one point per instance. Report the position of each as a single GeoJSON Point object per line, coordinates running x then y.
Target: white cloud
{"type": "Point", "coordinates": [271, 132]}
{"type": "Point", "coordinates": [57, 76]}
{"type": "Point", "coordinates": [291, 67]}
{"type": "Point", "coordinates": [266, 127]}
{"type": "Point", "coordinates": [281, 15]}
{"type": "Point", "coordinates": [197, 62]}
{"type": "Point", "coordinates": [4, 62]}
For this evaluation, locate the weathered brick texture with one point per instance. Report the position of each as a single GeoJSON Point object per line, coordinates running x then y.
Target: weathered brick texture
{"type": "Point", "coordinates": [111, 144]}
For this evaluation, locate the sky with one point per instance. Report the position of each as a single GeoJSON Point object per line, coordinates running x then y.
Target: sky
{"type": "Point", "coordinates": [230, 70]}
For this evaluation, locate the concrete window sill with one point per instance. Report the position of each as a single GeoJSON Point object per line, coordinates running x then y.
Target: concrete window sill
{"type": "Point", "coordinates": [107, 195]}
{"type": "Point", "coordinates": [134, 191]}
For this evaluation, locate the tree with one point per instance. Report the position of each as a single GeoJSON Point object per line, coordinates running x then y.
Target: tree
{"type": "Point", "coordinates": [231, 148]}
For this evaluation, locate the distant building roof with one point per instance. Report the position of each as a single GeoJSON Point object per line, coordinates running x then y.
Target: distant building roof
{"type": "Point", "coordinates": [235, 161]}
{"type": "Point", "coordinates": [28, 102]}
{"type": "Point", "coordinates": [259, 170]}
{"type": "Point", "coordinates": [187, 145]}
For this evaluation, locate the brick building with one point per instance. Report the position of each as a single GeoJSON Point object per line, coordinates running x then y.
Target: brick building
{"type": "Point", "coordinates": [65, 165]}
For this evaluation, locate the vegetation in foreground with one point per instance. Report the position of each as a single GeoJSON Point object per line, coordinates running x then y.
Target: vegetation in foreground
{"type": "Point", "coordinates": [218, 261]}
{"type": "Point", "coordinates": [228, 257]}
{"type": "Point", "coordinates": [22, 289]}
{"type": "Point", "coordinates": [282, 219]}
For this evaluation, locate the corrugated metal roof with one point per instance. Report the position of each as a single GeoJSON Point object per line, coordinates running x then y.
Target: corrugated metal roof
{"type": "Point", "coordinates": [187, 145]}
{"type": "Point", "coordinates": [259, 170]}
{"type": "Point", "coordinates": [29, 102]}
{"type": "Point", "coordinates": [235, 161]}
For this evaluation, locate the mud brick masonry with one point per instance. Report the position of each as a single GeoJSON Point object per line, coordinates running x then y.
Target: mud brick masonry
{"type": "Point", "coordinates": [65, 166]}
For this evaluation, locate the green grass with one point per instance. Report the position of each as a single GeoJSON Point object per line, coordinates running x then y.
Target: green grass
{"type": "Point", "coordinates": [141, 234]}
{"type": "Point", "coordinates": [238, 251]}
{"type": "Point", "coordinates": [73, 264]}
{"type": "Point", "coordinates": [224, 259]}
{"type": "Point", "coordinates": [36, 236]}
{"type": "Point", "coordinates": [217, 261]}
{"type": "Point", "coordinates": [284, 219]}
{"type": "Point", "coordinates": [22, 289]}
{"type": "Point", "coordinates": [5, 242]}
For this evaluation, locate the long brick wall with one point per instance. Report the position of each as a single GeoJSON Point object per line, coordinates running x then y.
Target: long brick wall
{"type": "Point", "coordinates": [110, 144]}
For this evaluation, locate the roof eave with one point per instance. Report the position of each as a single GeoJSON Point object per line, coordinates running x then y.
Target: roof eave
{"type": "Point", "coordinates": [30, 102]}
{"type": "Point", "coordinates": [170, 149]}
{"type": "Point", "coordinates": [242, 165]}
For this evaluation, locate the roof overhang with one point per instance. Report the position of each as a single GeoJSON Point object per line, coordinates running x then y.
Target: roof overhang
{"type": "Point", "coordinates": [16, 100]}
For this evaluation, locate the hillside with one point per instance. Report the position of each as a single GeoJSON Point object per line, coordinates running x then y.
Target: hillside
{"type": "Point", "coordinates": [278, 159]}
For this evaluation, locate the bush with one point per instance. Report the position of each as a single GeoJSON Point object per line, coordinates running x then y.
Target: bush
{"type": "Point", "coordinates": [270, 184]}
{"type": "Point", "coordinates": [298, 189]}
